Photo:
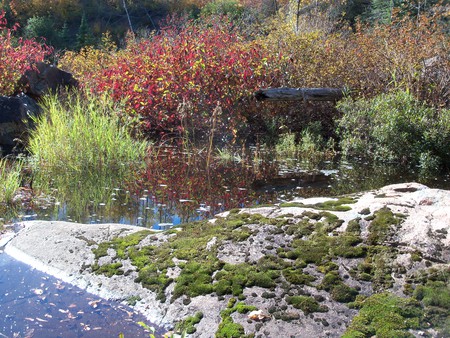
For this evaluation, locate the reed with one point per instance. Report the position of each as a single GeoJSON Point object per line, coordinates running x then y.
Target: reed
{"type": "Point", "coordinates": [80, 146]}
{"type": "Point", "coordinates": [10, 180]}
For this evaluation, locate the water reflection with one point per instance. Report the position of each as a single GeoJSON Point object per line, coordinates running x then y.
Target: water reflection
{"type": "Point", "coordinates": [176, 187]}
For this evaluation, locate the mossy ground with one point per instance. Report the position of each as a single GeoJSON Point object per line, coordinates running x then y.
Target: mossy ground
{"type": "Point", "coordinates": [292, 246]}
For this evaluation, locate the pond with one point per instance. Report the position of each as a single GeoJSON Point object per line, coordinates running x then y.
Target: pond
{"type": "Point", "coordinates": [178, 187]}
{"type": "Point", "coordinates": [33, 304]}
{"type": "Point", "coordinates": [170, 189]}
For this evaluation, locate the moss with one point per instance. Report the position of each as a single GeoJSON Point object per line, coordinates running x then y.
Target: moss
{"type": "Point", "coordinates": [343, 293]}
{"type": "Point", "coordinates": [385, 315]}
{"type": "Point", "coordinates": [195, 280]}
{"type": "Point", "coordinates": [244, 308]}
{"type": "Point", "coordinates": [303, 228]}
{"type": "Point", "coordinates": [108, 269]}
{"type": "Point", "coordinates": [378, 264]}
{"type": "Point", "coordinates": [434, 293]}
{"type": "Point", "coordinates": [365, 211]}
{"type": "Point", "coordinates": [132, 300]}
{"type": "Point", "coordinates": [120, 244]}
{"type": "Point", "coordinates": [309, 251]}
{"type": "Point", "coordinates": [336, 205]}
{"type": "Point", "coordinates": [228, 328]}
{"type": "Point", "coordinates": [331, 205]}
{"type": "Point", "coordinates": [294, 276]}
{"type": "Point", "coordinates": [353, 227]}
{"type": "Point", "coordinates": [416, 257]}
{"type": "Point", "coordinates": [293, 205]}
{"type": "Point", "coordinates": [339, 291]}
{"type": "Point", "coordinates": [306, 304]}
{"type": "Point", "coordinates": [346, 246]}
{"type": "Point", "coordinates": [381, 226]}
{"type": "Point", "coordinates": [188, 325]}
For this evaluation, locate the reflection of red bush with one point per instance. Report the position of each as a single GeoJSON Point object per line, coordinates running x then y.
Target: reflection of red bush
{"type": "Point", "coordinates": [203, 64]}
{"type": "Point", "coordinates": [16, 56]}
{"type": "Point", "coordinates": [172, 176]}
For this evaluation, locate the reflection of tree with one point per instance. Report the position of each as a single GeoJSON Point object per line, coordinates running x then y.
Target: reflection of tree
{"type": "Point", "coordinates": [181, 181]}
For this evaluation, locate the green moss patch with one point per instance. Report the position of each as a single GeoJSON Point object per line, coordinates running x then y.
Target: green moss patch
{"type": "Point", "coordinates": [385, 315]}
{"type": "Point", "coordinates": [339, 291]}
{"type": "Point", "coordinates": [380, 228]}
{"type": "Point", "coordinates": [331, 205]}
{"type": "Point", "coordinates": [228, 328]}
{"type": "Point", "coordinates": [188, 325]}
{"type": "Point", "coordinates": [306, 304]}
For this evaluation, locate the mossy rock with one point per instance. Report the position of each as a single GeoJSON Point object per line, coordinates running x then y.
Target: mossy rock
{"type": "Point", "coordinates": [306, 304]}
{"type": "Point", "coordinates": [380, 227]}
{"type": "Point", "coordinates": [385, 315]}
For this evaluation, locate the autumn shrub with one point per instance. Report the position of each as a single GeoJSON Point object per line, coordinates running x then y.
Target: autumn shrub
{"type": "Point", "coordinates": [369, 60]}
{"type": "Point", "coordinates": [201, 65]}
{"type": "Point", "coordinates": [395, 128]}
{"type": "Point", "coordinates": [16, 56]}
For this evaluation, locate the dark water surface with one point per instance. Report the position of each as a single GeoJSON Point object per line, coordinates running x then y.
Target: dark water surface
{"type": "Point", "coordinates": [33, 304]}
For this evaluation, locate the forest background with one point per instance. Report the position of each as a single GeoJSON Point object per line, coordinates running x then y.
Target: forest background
{"type": "Point", "coordinates": [189, 68]}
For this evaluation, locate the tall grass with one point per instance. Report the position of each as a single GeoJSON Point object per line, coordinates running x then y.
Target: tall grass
{"type": "Point", "coordinates": [80, 147]}
{"type": "Point", "coordinates": [10, 180]}
{"type": "Point", "coordinates": [311, 149]}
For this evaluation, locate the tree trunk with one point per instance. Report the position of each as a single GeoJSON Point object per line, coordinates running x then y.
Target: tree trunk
{"type": "Point", "coordinates": [299, 94]}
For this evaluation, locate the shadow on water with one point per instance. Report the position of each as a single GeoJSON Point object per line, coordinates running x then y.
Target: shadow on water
{"type": "Point", "coordinates": [174, 187]}
{"type": "Point", "coordinates": [33, 304]}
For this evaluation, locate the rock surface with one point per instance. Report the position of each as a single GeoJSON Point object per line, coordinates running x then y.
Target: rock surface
{"type": "Point", "coordinates": [46, 79]}
{"type": "Point", "coordinates": [15, 118]}
{"type": "Point", "coordinates": [416, 243]}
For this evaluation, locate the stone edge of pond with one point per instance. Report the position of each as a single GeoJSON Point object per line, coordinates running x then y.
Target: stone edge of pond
{"type": "Point", "coordinates": [76, 241]}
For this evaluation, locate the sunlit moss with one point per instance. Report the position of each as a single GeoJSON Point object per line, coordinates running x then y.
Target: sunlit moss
{"type": "Point", "coordinates": [385, 315]}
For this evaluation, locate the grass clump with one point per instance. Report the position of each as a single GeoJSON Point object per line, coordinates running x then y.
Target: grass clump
{"type": "Point", "coordinates": [385, 315]}
{"type": "Point", "coordinates": [10, 180]}
{"type": "Point", "coordinates": [81, 143]}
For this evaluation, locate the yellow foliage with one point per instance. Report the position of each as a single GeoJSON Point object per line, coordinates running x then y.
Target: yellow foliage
{"type": "Point", "coordinates": [89, 61]}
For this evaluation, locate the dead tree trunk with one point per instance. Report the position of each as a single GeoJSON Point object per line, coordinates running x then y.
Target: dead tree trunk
{"type": "Point", "coordinates": [299, 94]}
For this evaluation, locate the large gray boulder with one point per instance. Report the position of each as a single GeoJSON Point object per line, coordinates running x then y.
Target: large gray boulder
{"type": "Point", "coordinates": [44, 79]}
{"type": "Point", "coordinates": [16, 113]}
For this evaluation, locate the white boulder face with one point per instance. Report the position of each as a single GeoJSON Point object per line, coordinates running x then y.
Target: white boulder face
{"type": "Point", "coordinates": [65, 250]}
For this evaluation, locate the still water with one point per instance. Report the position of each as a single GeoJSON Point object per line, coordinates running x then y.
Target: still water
{"type": "Point", "coordinates": [175, 193]}
{"type": "Point", "coordinates": [33, 304]}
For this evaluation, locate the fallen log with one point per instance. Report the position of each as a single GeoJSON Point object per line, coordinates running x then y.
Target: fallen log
{"type": "Point", "coordinates": [299, 94]}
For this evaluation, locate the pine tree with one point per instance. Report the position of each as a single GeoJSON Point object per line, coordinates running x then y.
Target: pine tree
{"type": "Point", "coordinates": [64, 37]}
{"type": "Point", "coordinates": [84, 36]}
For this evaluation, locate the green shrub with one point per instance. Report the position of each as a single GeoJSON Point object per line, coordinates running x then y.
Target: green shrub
{"type": "Point", "coordinates": [395, 128]}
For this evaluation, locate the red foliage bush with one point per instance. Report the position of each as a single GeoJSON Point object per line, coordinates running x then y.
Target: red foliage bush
{"type": "Point", "coordinates": [16, 56]}
{"type": "Point", "coordinates": [200, 65]}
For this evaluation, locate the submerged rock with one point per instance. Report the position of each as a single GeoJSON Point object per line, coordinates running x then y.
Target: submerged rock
{"type": "Point", "coordinates": [303, 268]}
